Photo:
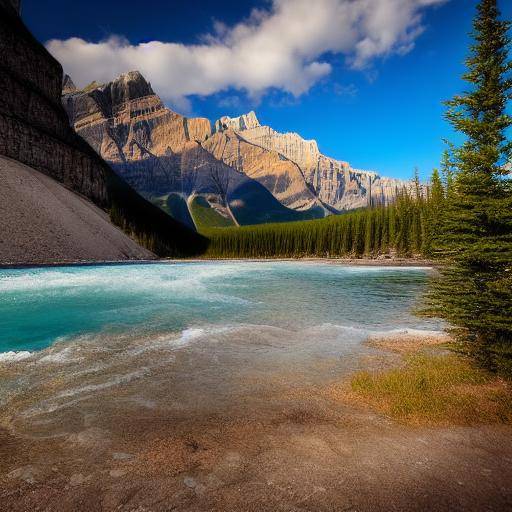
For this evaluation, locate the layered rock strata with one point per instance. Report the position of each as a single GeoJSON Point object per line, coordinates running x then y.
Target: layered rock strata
{"type": "Point", "coordinates": [159, 151]}
{"type": "Point", "coordinates": [148, 144]}
{"type": "Point", "coordinates": [334, 182]}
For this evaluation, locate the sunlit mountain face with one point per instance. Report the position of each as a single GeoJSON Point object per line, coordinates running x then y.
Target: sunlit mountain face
{"type": "Point", "coordinates": [369, 91]}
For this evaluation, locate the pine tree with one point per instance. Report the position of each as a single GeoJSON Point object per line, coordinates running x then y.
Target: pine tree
{"type": "Point", "coordinates": [475, 290]}
{"type": "Point", "coordinates": [432, 221]}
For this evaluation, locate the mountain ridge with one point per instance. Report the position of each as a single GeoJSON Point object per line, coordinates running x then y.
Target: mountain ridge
{"type": "Point", "coordinates": [35, 131]}
{"type": "Point", "coordinates": [162, 152]}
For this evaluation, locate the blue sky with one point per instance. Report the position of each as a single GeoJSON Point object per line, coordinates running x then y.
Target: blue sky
{"type": "Point", "coordinates": [375, 102]}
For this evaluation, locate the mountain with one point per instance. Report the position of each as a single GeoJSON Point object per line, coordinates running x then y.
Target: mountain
{"type": "Point", "coordinates": [245, 172]}
{"type": "Point", "coordinates": [334, 182]}
{"type": "Point", "coordinates": [35, 131]}
{"type": "Point", "coordinates": [180, 164]}
{"type": "Point", "coordinates": [45, 222]}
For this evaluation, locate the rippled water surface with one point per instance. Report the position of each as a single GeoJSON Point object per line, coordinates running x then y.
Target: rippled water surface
{"type": "Point", "coordinates": [100, 346]}
{"type": "Point", "coordinates": [39, 307]}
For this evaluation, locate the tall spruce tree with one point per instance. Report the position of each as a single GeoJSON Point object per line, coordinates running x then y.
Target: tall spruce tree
{"type": "Point", "coordinates": [475, 289]}
{"type": "Point", "coordinates": [432, 220]}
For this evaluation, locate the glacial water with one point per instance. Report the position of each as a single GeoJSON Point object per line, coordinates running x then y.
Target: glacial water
{"type": "Point", "coordinates": [42, 306]}
{"type": "Point", "coordinates": [103, 350]}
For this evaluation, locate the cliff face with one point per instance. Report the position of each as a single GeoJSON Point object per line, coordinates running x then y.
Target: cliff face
{"type": "Point", "coordinates": [44, 222]}
{"type": "Point", "coordinates": [160, 152]}
{"type": "Point", "coordinates": [149, 145]}
{"type": "Point", "coordinates": [244, 122]}
{"type": "Point", "coordinates": [282, 177]}
{"type": "Point", "coordinates": [34, 130]}
{"type": "Point", "coordinates": [33, 126]}
{"type": "Point", "coordinates": [334, 182]}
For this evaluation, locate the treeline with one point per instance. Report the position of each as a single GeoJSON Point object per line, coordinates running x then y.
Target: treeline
{"type": "Point", "coordinates": [402, 229]}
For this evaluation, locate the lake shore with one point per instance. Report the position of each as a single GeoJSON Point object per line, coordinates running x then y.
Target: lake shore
{"type": "Point", "coordinates": [370, 262]}
{"type": "Point", "coordinates": [309, 447]}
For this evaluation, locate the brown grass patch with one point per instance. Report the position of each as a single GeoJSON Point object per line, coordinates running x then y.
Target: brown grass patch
{"type": "Point", "coordinates": [434, 388]}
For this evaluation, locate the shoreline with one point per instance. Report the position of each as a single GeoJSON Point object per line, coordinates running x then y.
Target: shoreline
{"type": "Point", "coordinates": [364, 262]}
{"type": "Point", "coordinates": [336, 439]}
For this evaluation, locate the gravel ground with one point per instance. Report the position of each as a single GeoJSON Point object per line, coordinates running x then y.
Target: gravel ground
{"type": "Point", "coordinates": [43, 222]}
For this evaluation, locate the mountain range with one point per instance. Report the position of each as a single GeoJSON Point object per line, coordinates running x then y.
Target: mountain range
{"type": "Point", "coordinates": [234, 172]}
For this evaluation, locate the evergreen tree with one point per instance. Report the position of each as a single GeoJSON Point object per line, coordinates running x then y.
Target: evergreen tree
{"type": "Point", "coordinates": [475, 290]}
{"type": "Point", "coordinates": [432, 220]}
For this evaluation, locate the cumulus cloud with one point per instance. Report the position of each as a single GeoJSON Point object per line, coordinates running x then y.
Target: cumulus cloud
{"type": "Point", "coordinates": [282, 47]}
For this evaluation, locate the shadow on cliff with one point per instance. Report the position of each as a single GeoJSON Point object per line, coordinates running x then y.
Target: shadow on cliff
{"type": "Point", "coordinates": [34, 130]}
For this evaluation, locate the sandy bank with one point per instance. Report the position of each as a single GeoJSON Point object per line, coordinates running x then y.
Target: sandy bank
{"type": "Point", "coordinates": [275, 443]}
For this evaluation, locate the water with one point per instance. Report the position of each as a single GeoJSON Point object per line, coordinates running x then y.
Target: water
{"type": "Point", "coordinates": [39, 307]}
{"type": "Point", "coordinates": [109, 347]}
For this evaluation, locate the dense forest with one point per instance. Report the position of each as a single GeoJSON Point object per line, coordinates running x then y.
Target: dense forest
{"type": "Point", "coordinates": [404, 228]}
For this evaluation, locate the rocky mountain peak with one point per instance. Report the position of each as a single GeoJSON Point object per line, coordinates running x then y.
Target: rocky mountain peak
{"type": "Point", "coordinates": [240, 123]}
{"type": "Point", "coordinates": [129, 86]}
{"type": "Point", "coordinates": [68, 86]}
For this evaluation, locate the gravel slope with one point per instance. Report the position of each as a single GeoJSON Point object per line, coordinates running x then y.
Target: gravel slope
{"type": "Point", "coordinates": [43, 222]}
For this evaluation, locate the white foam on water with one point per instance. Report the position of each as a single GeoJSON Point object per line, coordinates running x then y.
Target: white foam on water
{"type": "Point", "coordinates": [66, 355]}
{"type": "Point", "coordinates": [11, 356]}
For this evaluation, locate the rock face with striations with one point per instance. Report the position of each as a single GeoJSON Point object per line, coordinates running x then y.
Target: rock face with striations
{"type": "Point", "coordinates": [282, 177]}
{"type": "Point", "coordinates": [33, 126]}
{"type": "Point", "coordinates": [128, 125]}
{"type": "Point", "coordinates": [35, 131]}
{"type": "Point", "coordinates": [244, 122]}
{"type": "Point", "coordinates": [334, 182]}
{"type": "Point", "coordinates": [159, 151]}
{"type": "Point", "coordinates": [151, 147]}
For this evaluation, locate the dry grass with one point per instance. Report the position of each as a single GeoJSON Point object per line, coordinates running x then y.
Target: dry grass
{"type": "Point", "coordinates": [435, 388]}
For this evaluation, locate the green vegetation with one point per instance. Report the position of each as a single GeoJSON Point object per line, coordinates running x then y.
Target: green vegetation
{"type": "Point", "coordinates": [146, 223]}
{"type": "Point", "coordinates": [474, 224]}
{"type": "Point", "coordinates": [205, 217]}
{"type": "Point", "coordinates": [436, 389]}
{"type": "Point", "coordinates": [251, 203]}
{"type": "Point", "coordinates": [174, 205]}
{"type": "Point", "coordinates": [399, 229]}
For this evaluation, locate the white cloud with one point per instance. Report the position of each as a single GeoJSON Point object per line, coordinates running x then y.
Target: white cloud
{"type": "Point", "coordinates": [281, 48]}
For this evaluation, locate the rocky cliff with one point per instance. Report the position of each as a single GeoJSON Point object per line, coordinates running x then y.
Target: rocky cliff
{"type": "Point", "coordinates": [45, 222]}
{"type": "Point", "coordinates": [34, 130]}
{"type": "Point", "coordinates": [244, 122]}
{"type": "Point", "coordinates": [160, 152]}
{"type": "Point", "coordinates": [334, 182]}
{"type": "Point", "coordinates": [282, 177]}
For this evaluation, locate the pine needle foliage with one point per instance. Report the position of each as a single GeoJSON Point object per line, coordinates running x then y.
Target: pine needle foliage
{"type": "Point", "coordinates": [474, 239]}
{"type": "Point", "coordinates": [394, 230]}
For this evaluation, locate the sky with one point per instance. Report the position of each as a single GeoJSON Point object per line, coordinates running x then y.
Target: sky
{"type": "Point", "coordinates": [365, 78]}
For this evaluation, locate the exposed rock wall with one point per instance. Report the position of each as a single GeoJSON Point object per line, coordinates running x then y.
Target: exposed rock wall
{"type": "Point", "coordinates": [149, 145]}
{"type": "Point", "coordinates": [279, 175]}
{"type": "Point", "coordinates": [334, 182]}
{"type": "Point", "coordinates": [44, 222]}
{"type": "Point", "coordinates": [303, 152]}
{"type": "Point", "coordinates": [128, 125]}
{"type": "Point", "coordinates": [243, 122]}
{"type": "Point", "coordinates": [34, 128]}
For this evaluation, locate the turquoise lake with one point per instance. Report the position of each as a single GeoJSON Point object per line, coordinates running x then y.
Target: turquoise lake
{"type": "Point", "coordinates": [42, 306]}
